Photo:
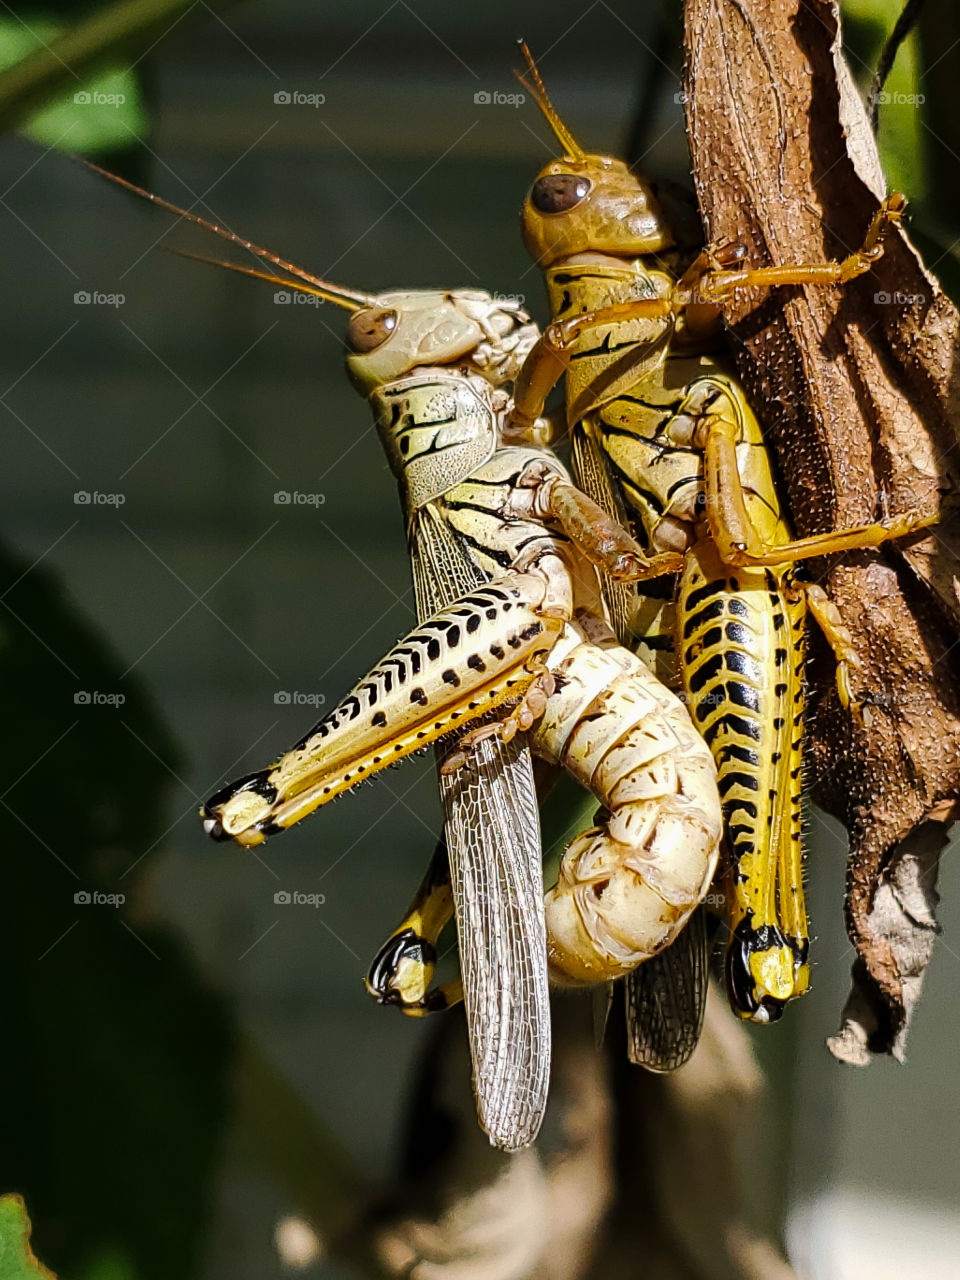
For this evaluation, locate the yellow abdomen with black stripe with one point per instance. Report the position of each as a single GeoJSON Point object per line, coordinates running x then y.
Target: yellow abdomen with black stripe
{"type": "Point", "coordinates": [740, 638]}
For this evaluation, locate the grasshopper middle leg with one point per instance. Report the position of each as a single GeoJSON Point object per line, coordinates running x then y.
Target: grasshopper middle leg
{"type": "Point", "coordinates": [403, 968]}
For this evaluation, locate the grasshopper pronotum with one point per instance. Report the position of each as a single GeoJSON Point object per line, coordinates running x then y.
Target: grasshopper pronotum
{"type": "Point", "coordinates": [661, 429]}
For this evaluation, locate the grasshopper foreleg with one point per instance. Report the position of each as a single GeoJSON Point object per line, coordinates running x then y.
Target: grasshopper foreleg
{"type": "Point", "coordinates": [522, 717]}
{"type": "Point", "coordinates": [542, 494]}
{"type": "Point", "coordinates": [717, 285]}
{"type": "Point", "coordinates": [547, 362]}
{"type": "Point", "coordinates": [604, 542]}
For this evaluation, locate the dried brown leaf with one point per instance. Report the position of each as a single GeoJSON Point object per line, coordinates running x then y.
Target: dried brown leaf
{"type": "Point", "coordinates": [858, 388]}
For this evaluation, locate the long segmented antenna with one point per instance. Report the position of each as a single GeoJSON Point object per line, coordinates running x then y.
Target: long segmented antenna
{"type": "Point", "coordinates": [347, 304]}
{"type": "Point", "coordinates": [334, 292]}
{"type": "Point", "coordinates": [542, 99]}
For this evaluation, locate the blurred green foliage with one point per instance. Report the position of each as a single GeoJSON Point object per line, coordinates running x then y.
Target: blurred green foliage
{"type": "Point", "coordinates": [867, 24]}
{"type": "Point", "coordinates": [17, 1261]}
{"type": "Point", "coordinates": [96, 114]}
{"type": "Point", "coordinates": [114, 1074]}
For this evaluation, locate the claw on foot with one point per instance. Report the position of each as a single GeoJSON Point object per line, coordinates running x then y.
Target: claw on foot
{"type": "Point", "coordinates": [523, 716]}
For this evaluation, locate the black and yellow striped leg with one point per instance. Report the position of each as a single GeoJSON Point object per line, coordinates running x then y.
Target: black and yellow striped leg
{"type": "Point", "coordinates": [403, 968]}
{"type": "Point", "coordinates": [445, 675]}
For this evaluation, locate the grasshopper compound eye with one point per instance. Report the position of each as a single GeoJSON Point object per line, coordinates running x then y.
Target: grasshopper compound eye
{"type": "Point", "coordinates": [370, 328]}
{"type": "Point", "coordinates": [558, 192]}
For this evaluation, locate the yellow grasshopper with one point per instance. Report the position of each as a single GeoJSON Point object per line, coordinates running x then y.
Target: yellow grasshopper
{"type": "Point", "coordinates": [523, 636]}
{"type": "Point", "coordinates": [661, 430]}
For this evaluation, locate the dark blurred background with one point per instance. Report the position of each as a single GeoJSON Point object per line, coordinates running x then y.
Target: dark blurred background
{"type": "Point", "coordinates": [179, 625]}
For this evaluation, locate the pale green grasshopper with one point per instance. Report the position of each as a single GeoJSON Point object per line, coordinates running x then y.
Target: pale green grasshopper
{"type": "Point", "coordinates": [504, 549]}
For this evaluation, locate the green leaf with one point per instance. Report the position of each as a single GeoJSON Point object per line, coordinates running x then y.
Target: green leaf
{"type": "Point", "coordinates": [16, 1257]}
{"type": "Point", "coordinates": [100, 113]}
{"type": "Point", "coordinates": [867, 24]}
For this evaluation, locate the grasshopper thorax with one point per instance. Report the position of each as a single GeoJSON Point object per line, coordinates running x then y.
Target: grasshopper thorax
{"type": "Point", "coordinates": [405, 331]}
{"type": "Point", "coordinates": [437, 426]}
{"type": "Point", "coordinates": [429, 363]}
{"type": "Point", "coordinates": [592, 203]}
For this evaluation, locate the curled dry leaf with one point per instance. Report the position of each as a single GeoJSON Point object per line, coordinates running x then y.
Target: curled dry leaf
{"type": "Point", "coordinates": [859, 389]}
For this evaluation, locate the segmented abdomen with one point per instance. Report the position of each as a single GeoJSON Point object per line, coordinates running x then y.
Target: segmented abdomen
{"type": "Point", "coordinates": [741, 634]}
{"type": "Point", "coordinates": [626, 887]}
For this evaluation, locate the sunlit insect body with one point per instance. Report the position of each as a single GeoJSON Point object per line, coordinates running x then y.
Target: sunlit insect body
{"type": "Point", "coordinates": [662, 432]}
{"type": "Point", "coordinates": [504, 549]}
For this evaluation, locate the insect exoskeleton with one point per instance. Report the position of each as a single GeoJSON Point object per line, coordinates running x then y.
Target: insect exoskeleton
{"type": "Point", "coordinates": [628, 886]}
{"type": "Point", "coordinates": [535, 630]}
{"type": "Point", "coordinates": [512, 638]}
{"type": "Point", "coordinates": [663, 436]}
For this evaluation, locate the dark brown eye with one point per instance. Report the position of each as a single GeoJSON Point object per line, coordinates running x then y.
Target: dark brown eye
{"type": "Point", "coordinates": [370, 329]}
{"type": "Point", "coordinates": [558, 192]}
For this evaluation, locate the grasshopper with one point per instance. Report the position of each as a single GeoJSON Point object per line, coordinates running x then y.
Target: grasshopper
{"type": "Point", "coordinates": [506, 554]}
{"type": "Point", "coordinates": [536, 629]}
{"type": "Point", "coordinates": [661, 430]}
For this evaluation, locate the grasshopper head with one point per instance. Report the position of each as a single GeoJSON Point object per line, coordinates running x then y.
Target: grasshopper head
{"type": "Point", "coordinates": [591, 203]}
{"type": "Point", "coordinates": [403, 331]}
{"type": "Point", "coordinates": [437, 425]}
{"type": "Point", "coordinates": [583, 202]}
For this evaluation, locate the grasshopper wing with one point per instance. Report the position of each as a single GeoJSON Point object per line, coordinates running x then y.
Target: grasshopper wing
{"type": "Point", "coordinates": [493, 841]}
{"type": "Point", "coordinates": [666, 996]}
{"type": "Point", "coordinates": [666, 999]}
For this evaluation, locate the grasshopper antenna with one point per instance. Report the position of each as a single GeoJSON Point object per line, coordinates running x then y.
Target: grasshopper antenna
{"type": "Point", "coordinates": [333, 292]}
{"type": "Point", "coordinates": [540, 96]}
{"type": "Point", "coordinates": [328, 293]}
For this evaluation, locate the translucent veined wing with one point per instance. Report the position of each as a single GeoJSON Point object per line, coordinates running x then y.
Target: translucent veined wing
{"type": "Point", "coordinates": [493, 841]}
{"type": "Point", "coordinates": [665, 1000]}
